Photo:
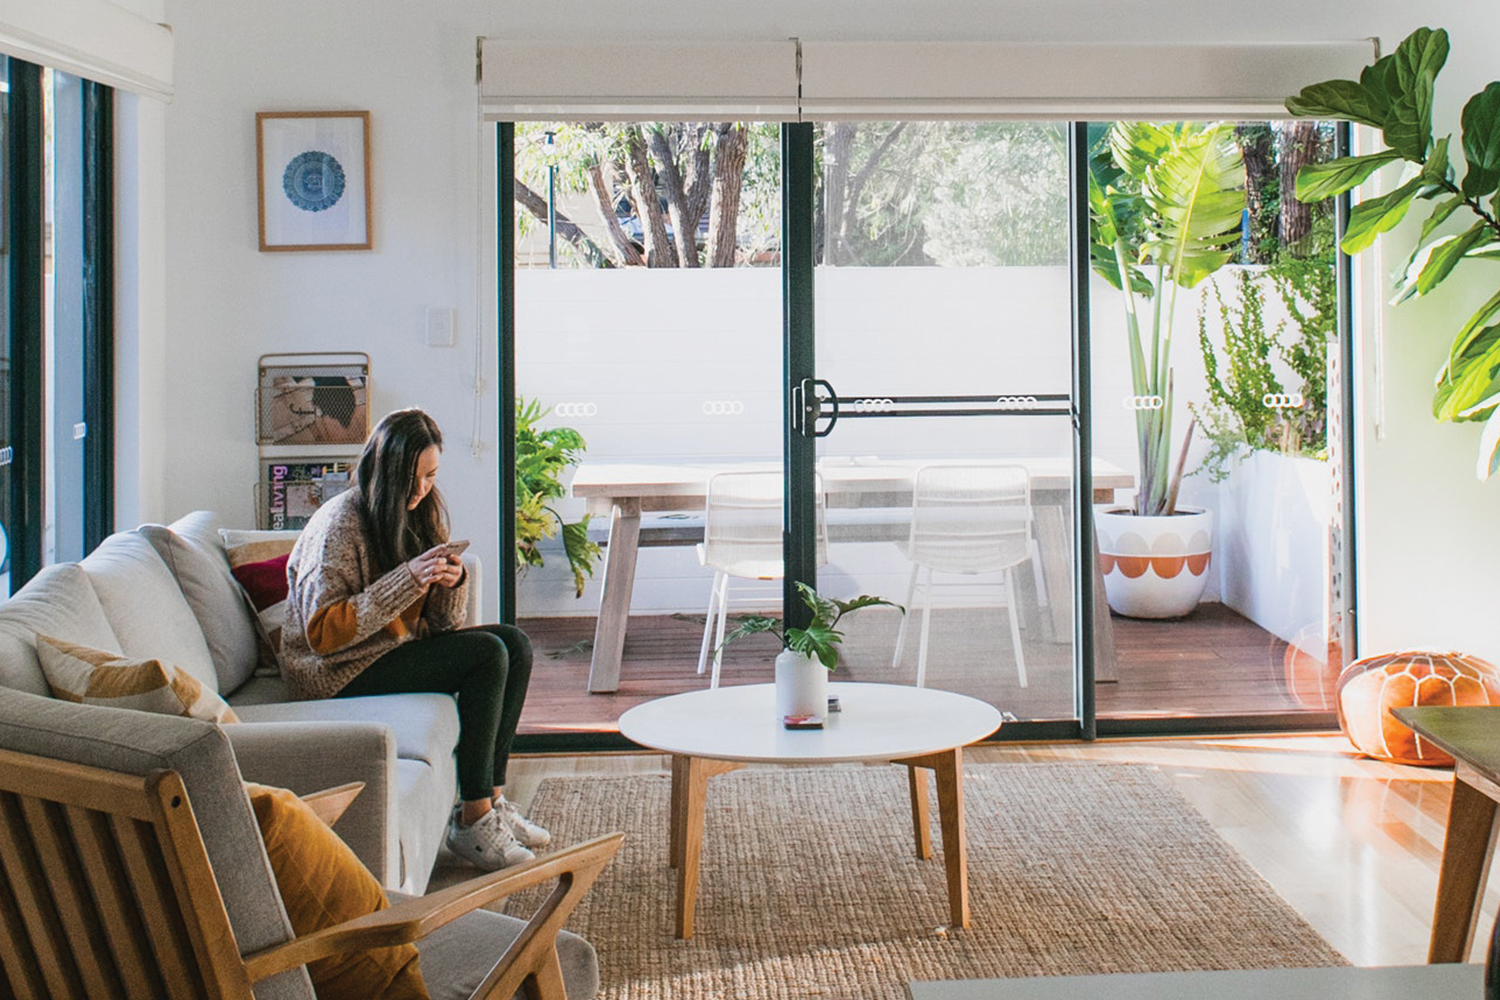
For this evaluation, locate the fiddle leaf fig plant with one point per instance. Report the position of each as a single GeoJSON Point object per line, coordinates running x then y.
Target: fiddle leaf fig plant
{"type": "Point", "coordinates": [821, 637]}
{"type": "Point", "coordinates": [1166, 206]}
{"type": "Point", "coordinates": [1395, 95]}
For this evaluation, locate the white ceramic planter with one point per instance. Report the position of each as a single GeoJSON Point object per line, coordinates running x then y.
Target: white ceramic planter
{"type": "Point", "coordinates": [1273, 545]}
{"type": "Point", "coordinates": [1153, 567]}
{"type": "Point", "coordinates": [801, 685]}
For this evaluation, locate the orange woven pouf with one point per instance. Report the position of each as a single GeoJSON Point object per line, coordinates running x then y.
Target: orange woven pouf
{"type": "Point", "coordinates": [1369, 688]}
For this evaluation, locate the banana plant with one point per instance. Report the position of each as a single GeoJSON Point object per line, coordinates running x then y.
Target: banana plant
{"type": "Point", "coordinates": [1395, 95]}
{"type": "Point", "coordinates": [1166, 205]}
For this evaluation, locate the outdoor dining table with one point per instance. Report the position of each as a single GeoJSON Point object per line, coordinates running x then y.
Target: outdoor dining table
{"type": "Point", "coordinates": [622, 492]}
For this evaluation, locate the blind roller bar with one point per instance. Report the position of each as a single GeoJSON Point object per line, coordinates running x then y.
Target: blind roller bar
{"type": "Point", "coordinates": [1066, 81]}
{"type": "Point", "coordinates": [591, 81]}
{"type": "Point", "coordinates": [93, 39]}
{"type": "Point", "coordinates": [792, 81]}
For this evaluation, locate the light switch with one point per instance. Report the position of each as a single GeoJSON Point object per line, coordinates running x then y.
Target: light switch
{"type": "Point", "coordinates": [440, 323]}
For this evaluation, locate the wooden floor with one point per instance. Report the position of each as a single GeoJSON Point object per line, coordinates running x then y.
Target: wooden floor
{"type": "Point", "coordinates": [1351, 843]}
{"type": "Point", "coordinates": [1214, 662]}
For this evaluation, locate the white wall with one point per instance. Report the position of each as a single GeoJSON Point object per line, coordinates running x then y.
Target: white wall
{"type": "Point", "coordinates": [1428, 551]}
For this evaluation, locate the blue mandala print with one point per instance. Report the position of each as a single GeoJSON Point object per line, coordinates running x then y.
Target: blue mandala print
{"type": "Point", "coordinates": [313, 181]}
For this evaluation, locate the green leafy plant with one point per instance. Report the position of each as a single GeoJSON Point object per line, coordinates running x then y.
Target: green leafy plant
{"type": "Point", "coordinates": [1166, 205]}
{"type": "Point", "coordinates": [821, 637]}
{"type": "Point", "coordinates": [1395, 95]}
{"type": "Point", "coordinates": [1241, 373]}
{"type": "Point", "coordinates": [541, 458]}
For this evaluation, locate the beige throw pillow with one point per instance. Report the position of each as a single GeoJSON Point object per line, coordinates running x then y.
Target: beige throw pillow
{"type": "Point", "coordinates": [257, 560]}
{"type": "Point", "coordinates": [93, 677]}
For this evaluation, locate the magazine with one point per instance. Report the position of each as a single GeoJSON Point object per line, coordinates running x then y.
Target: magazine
{"type": "Point", "coordinates": [293, 490]}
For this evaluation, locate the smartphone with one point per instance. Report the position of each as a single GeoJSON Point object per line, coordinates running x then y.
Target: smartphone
{"type": "Point", "coordinates": [456, 548]}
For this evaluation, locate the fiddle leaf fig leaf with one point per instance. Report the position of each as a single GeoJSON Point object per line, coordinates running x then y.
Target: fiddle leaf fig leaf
{"type": "Point", "coordinates": [1318, 181]}
{"type": "Point", "coordinates": [1436, 172]}
{"type": "Point", "coordinates": [1344, 99]}
{"type": "Point", "coordinates": [1440, 213]}
{"type": "Point", "coordinates": [1466, 387]}
{"type": "Point", "coordinates": [1489, 446]}
{"type": "Point", "coordinates": [1481, 142]}
{"type": "Point", "coordinates": [1447, 253]}
{"type": "Point", "coordinates": [1408, 78]}
{"type": "Point", "coordinates": [1374, 216]}
{"type": "Point", "coordinates": [1471, 332]}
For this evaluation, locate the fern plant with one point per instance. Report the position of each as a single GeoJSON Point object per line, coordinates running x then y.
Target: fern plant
{"type": "Point", "coordinates": [541, 458]}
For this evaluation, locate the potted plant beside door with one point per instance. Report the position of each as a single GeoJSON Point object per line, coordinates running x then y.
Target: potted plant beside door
{"type": "Point", "coordinates": [1166, 201]}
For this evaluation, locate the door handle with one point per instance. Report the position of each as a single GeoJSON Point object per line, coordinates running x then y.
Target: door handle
{"type": "Point", "coordinates": [807, 407]}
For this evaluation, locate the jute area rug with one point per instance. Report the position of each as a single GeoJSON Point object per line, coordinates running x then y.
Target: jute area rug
{"type": "Point", "coordinates": [810, 885]}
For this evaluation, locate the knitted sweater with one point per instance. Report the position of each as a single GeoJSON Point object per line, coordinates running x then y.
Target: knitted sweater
{"type": "Point", "coordinates": [340, 616]}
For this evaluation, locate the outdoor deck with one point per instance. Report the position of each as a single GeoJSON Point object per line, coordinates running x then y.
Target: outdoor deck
{"type": "Point", "coordinates": [1214, 662]}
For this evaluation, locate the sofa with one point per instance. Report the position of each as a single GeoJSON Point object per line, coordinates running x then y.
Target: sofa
{"type": "Point", "coordinates": [166, 592]}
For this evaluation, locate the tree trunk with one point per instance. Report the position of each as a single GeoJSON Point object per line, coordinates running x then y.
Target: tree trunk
{"type": "Point", "coordinates": [626, 251]}
{"type": "Point", "coordinates": [566, 228]}
{"type": "Point", "coordinates": [838, 148]}
{"type": "Point", "coordinates": [684, 228]}
{"type": "Point", "coordinates": [659, 252]}
{"type": "Point", "coordinates": [1257, 145]}
{"type": "Point", "coordinates": [1299, 147]}
{"type": "Point", "coordinates": [724, 208]}
{"type": "Point", "coordinates": [700, 179]}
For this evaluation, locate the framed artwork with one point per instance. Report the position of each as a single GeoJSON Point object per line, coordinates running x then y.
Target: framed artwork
{"type": "Point", "coordinates": [314, 179]}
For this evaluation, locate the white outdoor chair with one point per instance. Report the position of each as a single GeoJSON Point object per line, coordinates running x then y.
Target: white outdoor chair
{"type": "Point", "coordinates": [967, 520]}
{"type": "Point", "coordinates": [742, 529]}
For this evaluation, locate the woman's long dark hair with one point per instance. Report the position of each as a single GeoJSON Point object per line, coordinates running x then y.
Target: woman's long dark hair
{"type": "Point", "coordinates": [387, 476]}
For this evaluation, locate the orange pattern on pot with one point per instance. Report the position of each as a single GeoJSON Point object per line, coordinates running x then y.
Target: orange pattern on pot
{"type": "Point", "coordinates": [1168, 556]}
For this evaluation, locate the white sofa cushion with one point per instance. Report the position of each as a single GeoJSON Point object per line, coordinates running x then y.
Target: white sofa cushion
{"type": "Point", "coordinates": [426, 725]}
{"type": "Point", "coordinates": [217, 601]}
{"type": "Point", "coordinates": [145, 608]}
{"type": "Point", "coordinates": [57, 601]}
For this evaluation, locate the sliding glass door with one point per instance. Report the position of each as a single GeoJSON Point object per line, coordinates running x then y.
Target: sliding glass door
{"type": "Point", "coordinates": [915, 332]}
{"type": "Point", "coordinates": [944, 470]}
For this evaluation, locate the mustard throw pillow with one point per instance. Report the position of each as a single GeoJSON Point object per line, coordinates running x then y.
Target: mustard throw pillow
{"type": "Point", "coordinates": [323, 883]}
{"type": "Point", "coordinates": [93, 677]}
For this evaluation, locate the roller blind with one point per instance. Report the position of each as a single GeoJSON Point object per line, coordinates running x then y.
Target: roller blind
{"type": "Point", "coordinates": [662, 81]}
{"type": "Point", "coordinates": [842, 80]}
{"type": "Point", "coordinates": [94, 39]}
{"type": "Point", "coordinates": [807, 80]}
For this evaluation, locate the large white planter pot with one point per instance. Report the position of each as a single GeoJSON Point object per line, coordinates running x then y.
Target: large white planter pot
{"type": "Point", "coordinates": [1153, 567]}
{"type": "Point", "coordinates": [1273, 555]}
{"type": "Point", "coordinates": [801, 685]}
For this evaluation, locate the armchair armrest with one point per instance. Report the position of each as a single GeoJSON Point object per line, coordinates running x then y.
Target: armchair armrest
{"type": "Point", "coordinates": [331, 803]}
{"type": "Point", "coordinates": [474, 611]}
{"type": "Point", "coordinates": [309, 757]}
{"type": "Point", "coordinates": [532, 955]}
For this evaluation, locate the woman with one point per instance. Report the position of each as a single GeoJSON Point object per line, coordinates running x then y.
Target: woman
{"type": "Point", "coordinates": [376, 598]}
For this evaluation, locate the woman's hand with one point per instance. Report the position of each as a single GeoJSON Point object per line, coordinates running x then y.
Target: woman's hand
{"type": "Point", "coordinates": [430, 566]}
{"type": "Point", "coordinates": [437, 566]}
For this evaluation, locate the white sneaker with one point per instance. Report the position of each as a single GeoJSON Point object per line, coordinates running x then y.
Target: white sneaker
{"type": "Point", "coordinates": [523, 829]}
{"type": "Point", "coordinates": [487, 842]}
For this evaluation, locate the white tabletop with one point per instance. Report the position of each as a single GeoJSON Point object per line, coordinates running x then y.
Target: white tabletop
{"type": "Point", "coordinates": [1413, 982]}
{"type": "Point", "coordinates": [879, 722]}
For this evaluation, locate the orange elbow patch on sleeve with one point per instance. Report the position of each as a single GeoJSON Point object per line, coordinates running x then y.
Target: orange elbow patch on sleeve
{"type": "Point", "coordinates": [332, 628]}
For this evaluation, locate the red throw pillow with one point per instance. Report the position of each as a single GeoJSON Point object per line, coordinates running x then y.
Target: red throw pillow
{"type": "Point", "coordinates": [264, 581]}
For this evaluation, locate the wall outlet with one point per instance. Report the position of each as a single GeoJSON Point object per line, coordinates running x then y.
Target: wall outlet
{"type": "Point", "coordinates": [440, 324]}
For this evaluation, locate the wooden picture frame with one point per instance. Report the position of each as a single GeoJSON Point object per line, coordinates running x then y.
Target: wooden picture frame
{"type": "Point", "coordinates": [313, 179]}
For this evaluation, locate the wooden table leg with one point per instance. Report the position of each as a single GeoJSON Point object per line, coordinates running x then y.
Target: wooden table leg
{"type": "Point", "coordinates": [689, 793]}
{"type": "Point", "coordinates": [1466, 857]}
{"type": "Point", "coordinates": [921, 818]}
{"type": "Point", "coordinates": [948, 766]}
{"type": "Point", "coordinates": [678, 816]}
{"type": "Point", "coordinates": [614, 598]}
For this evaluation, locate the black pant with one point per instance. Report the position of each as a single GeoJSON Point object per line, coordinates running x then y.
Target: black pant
{"type": "Point", "coordinates": [488, 667]}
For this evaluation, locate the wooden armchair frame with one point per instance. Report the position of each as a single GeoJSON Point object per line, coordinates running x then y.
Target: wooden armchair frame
{"type": "Point", "coordinates": [106, 891]}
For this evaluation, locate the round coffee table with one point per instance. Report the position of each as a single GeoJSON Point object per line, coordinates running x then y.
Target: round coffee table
{"type": "Point", "coordinates": [721, 729]}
